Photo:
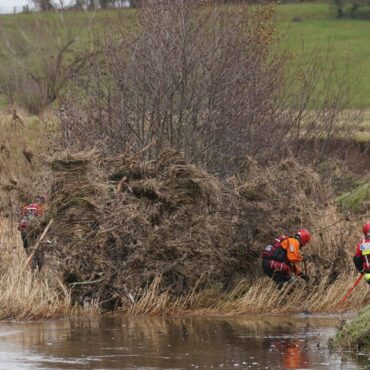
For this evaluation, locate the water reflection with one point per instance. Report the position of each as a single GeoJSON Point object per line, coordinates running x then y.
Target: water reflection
{"type": "Point", "coordinates": [248, 342]}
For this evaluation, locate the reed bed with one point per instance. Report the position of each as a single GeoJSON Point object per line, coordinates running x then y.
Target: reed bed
{"type": "Point", "coordinates": [260, 296]}
{"type": "Point", "coordinates": [24, 294]}
{"type": "Point", "coordinates": [27, 295]}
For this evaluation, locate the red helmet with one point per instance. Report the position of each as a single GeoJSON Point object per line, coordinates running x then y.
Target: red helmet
{"type": "Point", "coordinates": [366, 228]}
{"type": "Point", "coordinates": [305, 236]}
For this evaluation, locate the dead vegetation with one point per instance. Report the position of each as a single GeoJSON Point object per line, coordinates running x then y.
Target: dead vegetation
{"type": "Point", "coordinates": [206, 81]}
{"type": "Point", "coordinates": [111, 238]}
{"type": "Point", "coordinates": [24, 295]}
{"type": "Point", "coordinates": [163, 236]}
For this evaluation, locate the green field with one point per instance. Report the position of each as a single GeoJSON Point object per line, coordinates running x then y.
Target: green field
{"type": "Point", "coordinates": [302, 27]}
{"type": "Point", "coordinates": [347, 39]}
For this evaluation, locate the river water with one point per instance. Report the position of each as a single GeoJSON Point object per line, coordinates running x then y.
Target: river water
{"type": "Point", "coordinates": [118, 342]}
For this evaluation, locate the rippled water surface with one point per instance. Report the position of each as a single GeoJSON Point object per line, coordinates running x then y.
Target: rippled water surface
{"type": "Point", "coordinates": [247, 342]}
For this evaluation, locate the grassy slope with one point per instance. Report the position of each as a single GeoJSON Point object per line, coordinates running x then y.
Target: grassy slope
{"type": "Point", "coordinates": [318, 27]}
{"type": "Point", "coordinates": [347, 38]}
{"type": "Point", "coordinates": [355, 335]}
{"type": "Point", "coordinates": [356, 200]}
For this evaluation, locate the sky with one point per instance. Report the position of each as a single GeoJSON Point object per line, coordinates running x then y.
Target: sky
{"type": "Point", "coordinates": [11, 3]}
{"type": "Point", "coordinates": [7, 5]}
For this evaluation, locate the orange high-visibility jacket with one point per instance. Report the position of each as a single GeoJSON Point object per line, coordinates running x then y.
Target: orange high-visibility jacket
{"type": "Point", "coordinates": [291, 245]}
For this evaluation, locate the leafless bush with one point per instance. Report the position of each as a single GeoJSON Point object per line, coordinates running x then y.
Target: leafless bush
{"type": "Point", "coordinates": [204, 80]}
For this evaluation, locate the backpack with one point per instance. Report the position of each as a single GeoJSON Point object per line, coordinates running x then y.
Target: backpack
{"type": "Point", "coordinates": [275, 251]}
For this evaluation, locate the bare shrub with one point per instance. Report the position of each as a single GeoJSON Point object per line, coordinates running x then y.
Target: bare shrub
{"type": "Point", "coordinates": [205, 80]}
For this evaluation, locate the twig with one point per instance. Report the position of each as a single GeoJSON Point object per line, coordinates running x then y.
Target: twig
{"type": "Point", "coordinates": [86, 282]}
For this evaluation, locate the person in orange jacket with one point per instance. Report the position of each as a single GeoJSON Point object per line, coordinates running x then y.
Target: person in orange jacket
{"type": "Point", "coordinates": [280, 260]}
{"type": "Point", "coordinates": [361, 259]}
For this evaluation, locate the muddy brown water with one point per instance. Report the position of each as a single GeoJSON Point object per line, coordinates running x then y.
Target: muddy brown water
{"type": "Point", "coordinates": [118, 342]}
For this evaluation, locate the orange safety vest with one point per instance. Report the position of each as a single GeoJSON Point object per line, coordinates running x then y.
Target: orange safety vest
{"type": "Point", "coordinates": [291, 245]}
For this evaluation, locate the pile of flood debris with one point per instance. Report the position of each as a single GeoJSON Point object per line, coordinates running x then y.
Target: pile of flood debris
{"type": "Point", "coordinates": [119, 222]}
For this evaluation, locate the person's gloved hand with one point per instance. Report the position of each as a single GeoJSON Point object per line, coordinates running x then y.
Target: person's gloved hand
{"type": "Point", "coordinates": [304, 277]}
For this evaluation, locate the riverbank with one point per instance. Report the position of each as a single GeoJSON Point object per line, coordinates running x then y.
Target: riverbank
{"type": "Point", "coordinates": [354, 335]}
{"type": "Point", "coordinates": [27, 295]}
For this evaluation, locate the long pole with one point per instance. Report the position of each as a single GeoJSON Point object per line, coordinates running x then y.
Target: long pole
{"type": "Point", "coordinates": [306, 273]}
{"type": "Point", "coordinates": [29, 259]}
{"type": "Point", "coordinates": [305, 310]}
{"type": "Point", "coordinates": [352, 287]}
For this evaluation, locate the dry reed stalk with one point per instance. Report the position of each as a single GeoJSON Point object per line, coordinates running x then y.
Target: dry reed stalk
{"type": "Point", "coordinates": [153, 301]}
{"type": "Point", "coordinates": [263, 296]}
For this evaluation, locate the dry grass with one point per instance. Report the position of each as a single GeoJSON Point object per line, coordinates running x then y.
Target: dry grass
{"type": "Point", "coordinates": [330, 269]}
{"type": "Point", "coordinates": [23, 293]}
{"type": "Point", "coordinates": [297, 297]}
{"type": "Point", "coordinates": [363, 130]}
{"type": "Point", "coordinates": [153, 302]}
{"type": "Point", "coordinates": [259, 296]}
{"type": "Point", "coordinates": [25, 142]}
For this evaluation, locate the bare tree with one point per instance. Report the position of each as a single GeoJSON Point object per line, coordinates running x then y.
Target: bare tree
{"type": "Point", "coordinates": [203, 80]}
